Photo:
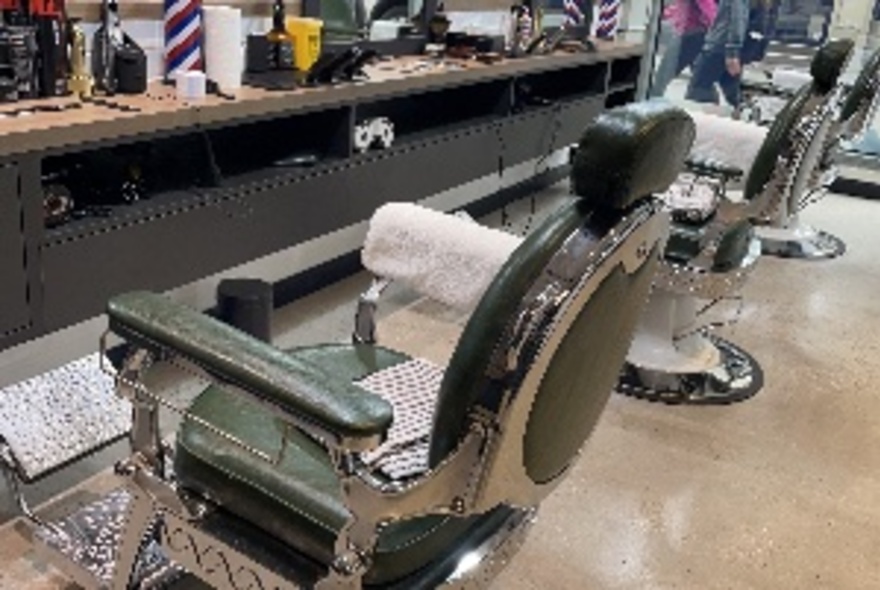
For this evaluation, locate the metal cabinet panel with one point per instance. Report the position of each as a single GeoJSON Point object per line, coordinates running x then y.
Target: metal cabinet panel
{"type": "Point", "coordinates": [172, 250]}
{"type": "Point", "coordinates": [14, 313]}
{"type": "Point", "coordinates": [574, 117]}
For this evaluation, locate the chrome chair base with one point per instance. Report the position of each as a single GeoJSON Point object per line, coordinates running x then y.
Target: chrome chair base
{"type": "Point", "coordinates": [85, 546]}
{"type": "Point", "coordinates": [801, 242]}
{"type": "Point", "coordinates": [738, 377]}
{"type": "Point", "coordinates": [176, 554]}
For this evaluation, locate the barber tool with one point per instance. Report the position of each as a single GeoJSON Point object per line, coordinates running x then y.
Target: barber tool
{"type": "Point", "coordinates": [341, 67]}
{"type": "Point", "coordinates": [522, 29]}
{"type": "Point", "coordinates": [79, 82]}
{"type": "Point", "coordinates": [58, 204]}
{"type": "Point", "coordinates": [438, 26]}
{"type": "Point", "coordinates": [118, 62]}
{"type": "Point", "coordinates": [50, 20]}
{"type": "Point", "coordinates": [373, 133]}
{"type": "Point", "coordinates": [107, 40]}
{"type": "Point", "coordinates": [18, 56]}
{"type": "Point", "coordinates": [35, 33]}
{"type": "Point", "coordinates": [280, 43]}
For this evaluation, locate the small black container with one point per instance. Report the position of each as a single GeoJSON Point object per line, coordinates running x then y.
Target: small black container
{"type": "Point", "coordinates": [247, 304]}
{"type": "Point", "coordinates": [131, 70]}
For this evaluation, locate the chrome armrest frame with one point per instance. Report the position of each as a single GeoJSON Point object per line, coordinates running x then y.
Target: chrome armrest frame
{"type": "Point", "coordinates": [365, 315]}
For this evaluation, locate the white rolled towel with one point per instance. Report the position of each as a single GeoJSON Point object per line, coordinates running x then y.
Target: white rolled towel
{"type": "Point", "coordinates": [727, 140]}
{"type": "Point", "coordinates": [443, 257]}
{"type": "Point", "coordinates": [790, 79]}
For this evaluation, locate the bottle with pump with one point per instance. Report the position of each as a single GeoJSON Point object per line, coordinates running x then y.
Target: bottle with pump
{"type": "Point", "coordinates": [280, 43]}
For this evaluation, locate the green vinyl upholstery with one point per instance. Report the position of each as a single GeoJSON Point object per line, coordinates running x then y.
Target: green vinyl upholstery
{"type": "Point", "coordinates": [298, 501]}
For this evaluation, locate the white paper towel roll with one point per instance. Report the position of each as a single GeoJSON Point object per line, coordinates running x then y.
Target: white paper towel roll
{"type": "Point", "coordinates": [224, 56]}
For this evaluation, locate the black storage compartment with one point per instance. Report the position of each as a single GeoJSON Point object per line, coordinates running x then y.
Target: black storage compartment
{"type": "Point", "coordinates": [14, 313]}
{"type": "Point", "coordinates": [421, 116]}
{"type": "Point", "coordinates": [625, 72]}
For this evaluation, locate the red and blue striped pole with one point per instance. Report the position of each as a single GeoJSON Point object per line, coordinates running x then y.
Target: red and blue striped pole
{"type": "Point", "coordinates": [183, 36]}
{"type": "Point", "coordinates": [573, 13]}
{"type": "Point", "coordinates": [609, 19]}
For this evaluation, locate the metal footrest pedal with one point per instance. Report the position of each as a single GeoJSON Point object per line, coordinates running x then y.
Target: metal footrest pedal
{"type": "Point", "coordinates": [737, 378]}
{"type": "Point", "coordinates": [85, 545]}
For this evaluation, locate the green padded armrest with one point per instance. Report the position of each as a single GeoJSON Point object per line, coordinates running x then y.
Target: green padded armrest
{"type": "Point", "coordinates": [713, 168]}
{"type": "Point", "coordinates": [346, 415]}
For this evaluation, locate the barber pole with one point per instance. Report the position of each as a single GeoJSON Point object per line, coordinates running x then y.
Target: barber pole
{"type": "Point", "coordinates": [573, 13]}
{"type": "Point", "coordinates": [183, 36]}
{"type": "Point", "coordinates": [609, 19]}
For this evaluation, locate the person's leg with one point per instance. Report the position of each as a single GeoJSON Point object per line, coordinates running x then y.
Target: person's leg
{"type": "Point", "coordinates": [706, 72]}
{"type": "Point", "coordinates": [691, 46]}
{"type": "Point", "coordinates": [667, 69]}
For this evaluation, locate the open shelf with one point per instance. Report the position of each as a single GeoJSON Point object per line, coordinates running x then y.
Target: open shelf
{"type": "Point", "coordinates": [559, 86]}
{"type": "Point", "coordinates": [625, 72]}
{"type": "Point", "coordinates": [420, 116]}
{"type": "Point", "coordinates": [119, 185]}
{"type": "Point", "coordinates": [275, 144]}
{"type": "Point", "coordinates": [620, 97]}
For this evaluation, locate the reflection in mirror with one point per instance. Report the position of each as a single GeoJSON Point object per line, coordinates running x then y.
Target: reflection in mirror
{"type": "Point", "coordinates": [372, 19]}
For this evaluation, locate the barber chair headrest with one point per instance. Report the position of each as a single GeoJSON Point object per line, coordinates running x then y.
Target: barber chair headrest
{"type": "Point", "coordinates": [829, 62]}
{"type": "Point", "coordinates": [631, 152]}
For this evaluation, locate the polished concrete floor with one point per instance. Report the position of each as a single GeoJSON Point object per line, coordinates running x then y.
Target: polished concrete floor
{"type": "Point", "coordinates": [779, 492]}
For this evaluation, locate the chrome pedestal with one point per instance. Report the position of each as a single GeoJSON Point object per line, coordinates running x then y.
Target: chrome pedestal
{"type": "Point", "coordinates": [737, 377]}
{"type": "Point", "coordinates": [800, 241]}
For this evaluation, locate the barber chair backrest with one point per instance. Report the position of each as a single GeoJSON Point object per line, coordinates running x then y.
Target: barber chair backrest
{"type": "Point", "coordinates": [829, 63]}
{"type": "Point", "coordinates": [826, 68]}
{"type": "Point", "coordinates": [861, 100]}
{"type": "Point", "coordinates": [542, 351]}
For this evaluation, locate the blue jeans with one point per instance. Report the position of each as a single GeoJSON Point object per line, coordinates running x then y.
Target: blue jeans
{"type": "Point", "coordinates": [709, 70]}
{"type": "Point", "coordinates": [680, 54]}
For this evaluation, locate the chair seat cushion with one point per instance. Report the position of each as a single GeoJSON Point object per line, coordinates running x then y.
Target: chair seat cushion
{"type": "Point", "coordinates": [298, 499]}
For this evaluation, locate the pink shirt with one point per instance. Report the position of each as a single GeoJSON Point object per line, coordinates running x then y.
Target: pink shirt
{"type": "Point", "coordinates": [690, 16]}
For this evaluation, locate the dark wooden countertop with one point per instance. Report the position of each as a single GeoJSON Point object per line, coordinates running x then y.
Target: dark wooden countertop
{"type": "Point", "coordinates": [160, 111]}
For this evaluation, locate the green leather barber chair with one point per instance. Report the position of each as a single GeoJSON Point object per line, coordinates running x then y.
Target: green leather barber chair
{"type": "Point", "coordinates": [356, 466]}
{"type": "Point", "coordinates": [856, 110]}
{"type": "Point", "coordinates": [715, 244]}
{"type": "Point", "coordinates": [780, 171]}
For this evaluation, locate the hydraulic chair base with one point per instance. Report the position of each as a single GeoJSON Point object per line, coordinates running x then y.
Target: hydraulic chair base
{"type": "Point", "coordinates": [86, 545]}
{"type": "Point", "coordinates": [737, 377]}
{"type": "Point", "coordinates": [800, 241]}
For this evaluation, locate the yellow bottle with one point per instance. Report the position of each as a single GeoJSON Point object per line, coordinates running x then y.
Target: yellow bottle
{"type": "Point", "coordinates": [306, 35]}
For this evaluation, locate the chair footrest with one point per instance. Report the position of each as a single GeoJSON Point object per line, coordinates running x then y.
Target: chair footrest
{"type": "Point", "coordinates": [85, 545]}
{"type": "Point", "coordinates": [55, 418]}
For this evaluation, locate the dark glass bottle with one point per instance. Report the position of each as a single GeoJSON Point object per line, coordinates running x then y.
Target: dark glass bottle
{"type": "Point", "coordinates": [281, 45]}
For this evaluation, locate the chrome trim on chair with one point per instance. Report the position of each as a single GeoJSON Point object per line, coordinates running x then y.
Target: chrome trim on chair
{"type": "Point", "coordinates": [705, 283]}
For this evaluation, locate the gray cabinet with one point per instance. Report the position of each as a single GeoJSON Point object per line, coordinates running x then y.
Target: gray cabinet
{"type": "Point", "coordinates": [13, 280]}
